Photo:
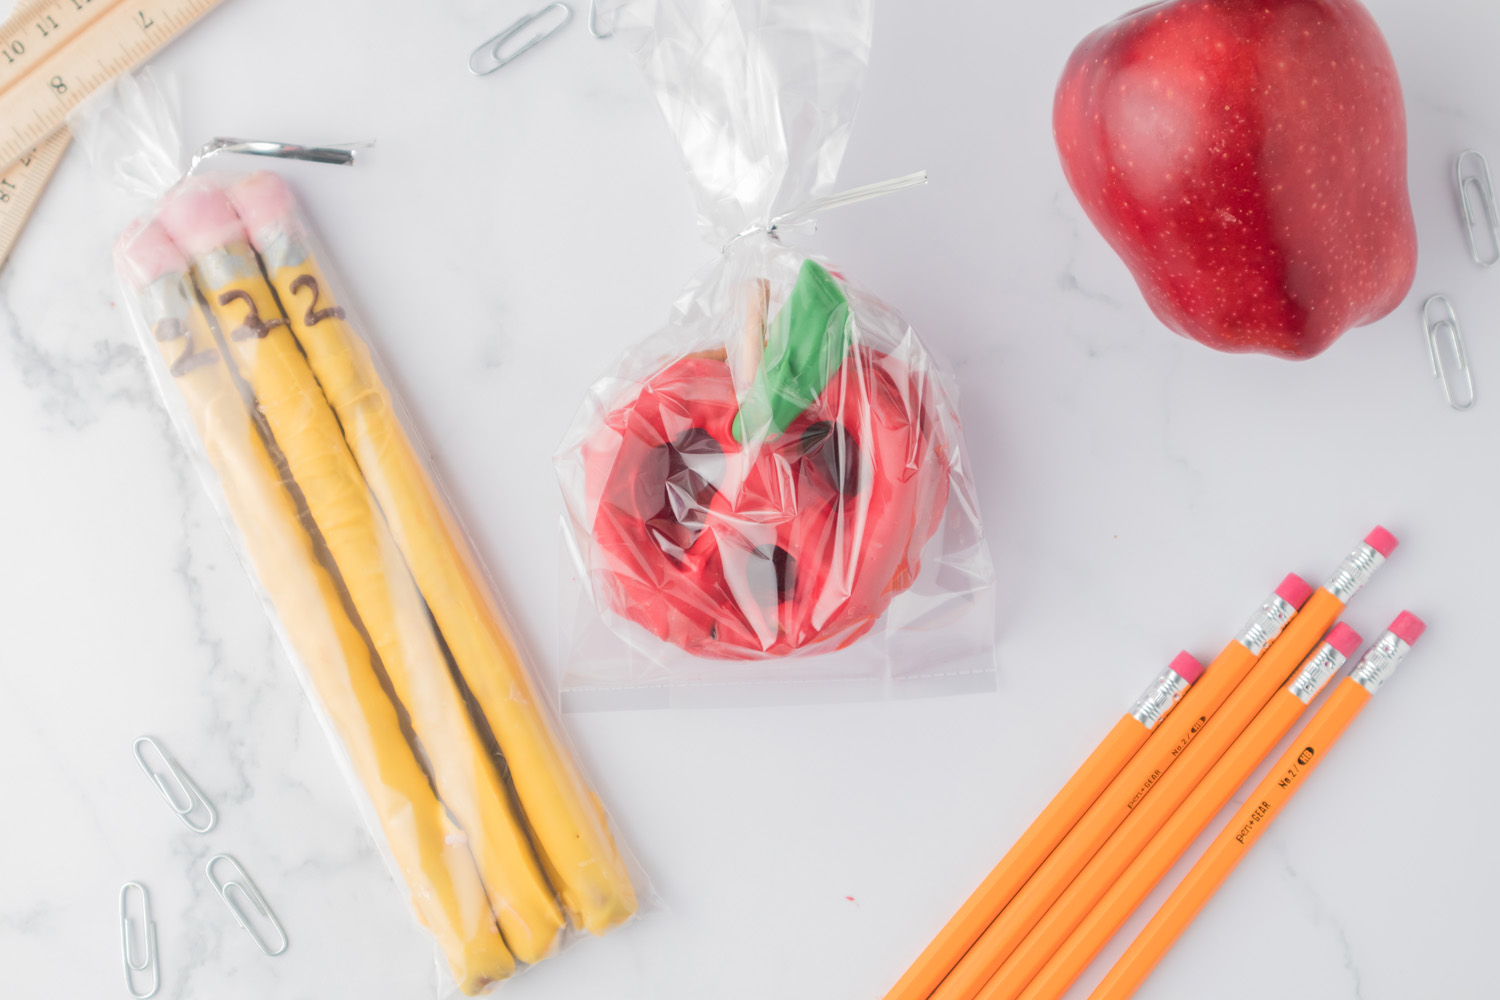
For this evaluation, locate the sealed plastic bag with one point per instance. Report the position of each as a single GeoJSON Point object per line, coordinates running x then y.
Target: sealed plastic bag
{"type": "Point", "coordinates": [371, 582]}
{"type": "Point", "coordinates": [780, 471]}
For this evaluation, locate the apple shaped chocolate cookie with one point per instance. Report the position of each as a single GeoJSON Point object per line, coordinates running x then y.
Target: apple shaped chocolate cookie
{"type": "Point", "coordinates": [1247, 160]}
{"type": "Point", "coordinates": [783, 522]}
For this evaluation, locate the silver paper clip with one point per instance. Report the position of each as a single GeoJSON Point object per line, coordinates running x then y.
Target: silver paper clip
{"type": "Point", "coordinates": [1438, 317]}
{"type": "Point", "coordinates": [1478, 197]}
{"type": "Point", "coordinates": [488, 57]}
{"type": "Point", "coordinates": [149, 964]}
{"type": "Point", "coordinates": [192, 797]}
{"type": "Point", "coordinates": [241, 881]}
{"type": "Point", "coordinates": [594, 28]}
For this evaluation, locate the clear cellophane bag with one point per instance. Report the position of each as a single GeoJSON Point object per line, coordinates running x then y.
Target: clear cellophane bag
{"type": "Point", "coordinates": [769, 498]}
{"type": "Point", "coordinates": [450, 741]}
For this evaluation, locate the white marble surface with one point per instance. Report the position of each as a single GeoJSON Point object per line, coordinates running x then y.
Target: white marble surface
{"type": "Point", "coordinates": [1141, 494]}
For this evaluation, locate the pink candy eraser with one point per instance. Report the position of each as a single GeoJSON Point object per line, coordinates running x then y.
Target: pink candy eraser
{"type": "Point", "coordinates": [1381, 541]}
{"type": "Point", "coordinates": [1294, 590]}
{"type": "Point", "coordinates": [1186, 666]}
{"type": "Point", "coordinates": [145, 252]}
{"type": "Point", "coordinates": [1344, 639]}
{"type": "Point", "coordinates": [198, 215]}
{"type": "Point", "coordinates": [1408, 627]}
{"type": "Point", "coordinates": [264, 203]}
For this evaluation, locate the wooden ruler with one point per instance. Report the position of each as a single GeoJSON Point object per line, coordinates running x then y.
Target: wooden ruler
{"type": "Point", "coordinates": [53, 54]}
{"type": "Point", "coordinates": [22, 185]}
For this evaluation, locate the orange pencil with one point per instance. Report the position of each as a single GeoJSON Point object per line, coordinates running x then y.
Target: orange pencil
{"type": "Point", "coordinates": [1007, 956]}
{"type": "Point", "coordinates": [1133, 729]}
{"type": "Point", "coordinates": [1174, 838]}
{"type": "Point", "coordinates": [1124, 793]}
{"type": "Point", "coordinates": [1240, 833]}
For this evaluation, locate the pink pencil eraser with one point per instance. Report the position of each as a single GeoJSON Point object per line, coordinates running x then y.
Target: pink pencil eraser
{"type": "Point", "coordinates": [1408, 627]}
{"type": "Point", "coordinates": [145, 252]}
{"type": "Point", "coordinates": [1381, 541]}
{"type": "Point", "coordinates": [198, 215]}
{"type": "Point", "coordinates": [1294, 590]}
{"type": "Point", "coordinates": [1186, 666]}
{"type": "Point", "coordinates": [265, 204]}
{"type": "Point", "coordinates": [1344, 639]}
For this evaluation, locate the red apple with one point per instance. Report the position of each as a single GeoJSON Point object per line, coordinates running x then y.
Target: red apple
{"type": "Point", "coordinates": [1247, 159]}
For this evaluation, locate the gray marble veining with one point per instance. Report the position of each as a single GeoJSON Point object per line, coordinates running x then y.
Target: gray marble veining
{"type": "Point", "coordinates": [505, 240]}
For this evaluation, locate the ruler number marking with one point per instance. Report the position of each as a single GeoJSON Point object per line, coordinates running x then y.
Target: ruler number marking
{"type": "Point", "coordinates": [47, 27]}
{"type": "Point", "coordinates": [62, 49]}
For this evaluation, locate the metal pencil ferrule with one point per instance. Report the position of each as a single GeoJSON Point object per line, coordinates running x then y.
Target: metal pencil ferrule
{"type": "Point", "coordinates": [166, 298]}
{"type": "Point", "coordinates": [1316, 671]}
{"type": "Point", "coordinates": [1158, 698]}
{"type": "Point", "coordinates": [1266, 624]}
{"type": "Point", "coordinates": [1379, 662]}
{"type": "Point", "coordinates": [223, 265]}
{"type": "Point", "coordinates": [1354, 572]}
{"type": "Point", "coordinates": [282, 249]}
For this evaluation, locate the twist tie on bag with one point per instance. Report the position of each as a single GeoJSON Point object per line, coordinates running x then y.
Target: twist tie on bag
{"type": "Point", "coordinates": [339, 154]}
{"type": "Point", "coordinates": [806, 212]}
{"type": "Point", "coordinates": [129, 131]}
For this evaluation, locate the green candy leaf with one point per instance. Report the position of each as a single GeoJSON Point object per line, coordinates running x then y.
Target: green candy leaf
{"type": "Point", "coordinates": [805, 344]}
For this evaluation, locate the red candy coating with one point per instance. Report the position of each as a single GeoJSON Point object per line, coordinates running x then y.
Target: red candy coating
{"type": "Point", "coordinates": [796, 542]}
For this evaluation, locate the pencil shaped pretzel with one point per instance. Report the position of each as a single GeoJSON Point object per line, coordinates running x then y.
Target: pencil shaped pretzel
{"type": "Point", "coordinates": [202, 222]}
{"type": "Point", "coordinates": [438, 869]}
{"type": "Point", "coordinates": [567, 822]}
